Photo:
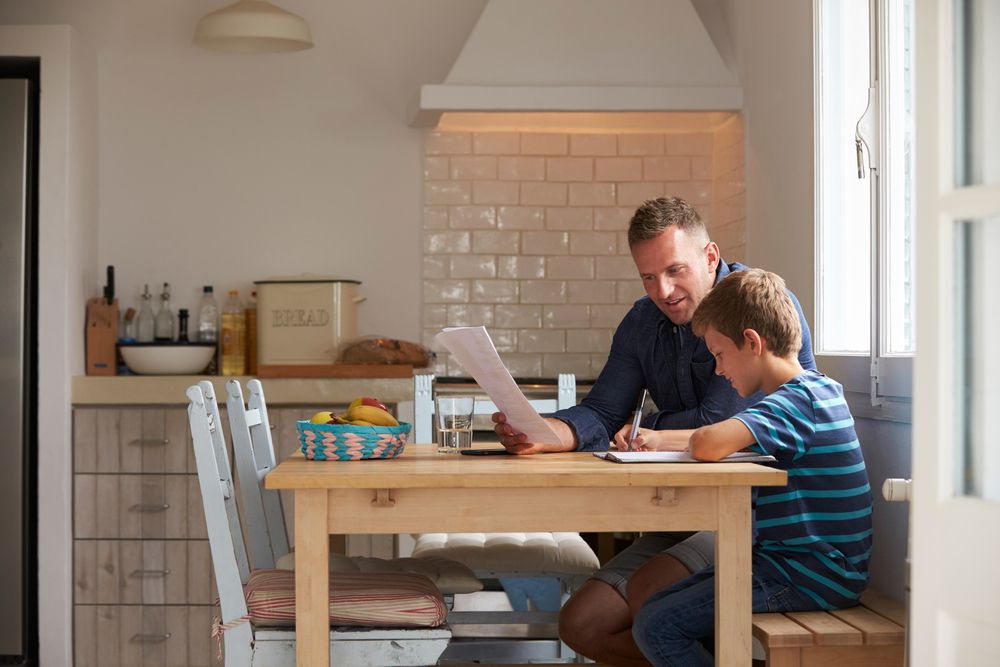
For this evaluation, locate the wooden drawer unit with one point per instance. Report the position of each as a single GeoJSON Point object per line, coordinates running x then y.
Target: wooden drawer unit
{"type": "Point", "coordinates": [144, 586]}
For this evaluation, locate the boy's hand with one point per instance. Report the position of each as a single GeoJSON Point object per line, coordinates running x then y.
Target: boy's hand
{"type": "Point", "coordinates": [651, 441]}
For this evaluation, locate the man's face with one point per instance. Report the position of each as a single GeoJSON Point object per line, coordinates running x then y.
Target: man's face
{"type": "Point", "coordinates": [736, 364]}
{"type": "Point", "coordinates": [676, 273]}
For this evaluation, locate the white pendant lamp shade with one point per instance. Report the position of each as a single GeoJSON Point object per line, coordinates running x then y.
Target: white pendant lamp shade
{"type": "Point", "coordinates": [253, 26]}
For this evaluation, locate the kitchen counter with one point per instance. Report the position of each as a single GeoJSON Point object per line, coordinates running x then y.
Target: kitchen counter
{"type": "Point", "coordinates": [169, 389]}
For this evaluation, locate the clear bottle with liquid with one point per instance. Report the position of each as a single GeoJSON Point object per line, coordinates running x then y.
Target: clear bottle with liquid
{"type": "Point", "coordinates": [252, 334]}
{"type": "Point", "coordinates": [145, 322]}
{"type": "Point", "coordinates": [234, 334]}
{"type": "Point", "coordinates": [207, 325]}
{"type": "Point", "coordinates": [163, 330]}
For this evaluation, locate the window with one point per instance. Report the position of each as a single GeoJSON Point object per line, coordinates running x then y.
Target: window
{"type": "Point", "coordinates": [864, 334]}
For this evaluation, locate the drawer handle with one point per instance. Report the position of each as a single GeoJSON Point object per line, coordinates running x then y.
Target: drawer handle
{"type": "Point", "coordinates": [150, 441]}
{"type": "Point", "coordinates": [147, 507]}
{"type": "Point", "coordinates": [151, 639]}
{"type": "Point", "coordinates": [150, 573]}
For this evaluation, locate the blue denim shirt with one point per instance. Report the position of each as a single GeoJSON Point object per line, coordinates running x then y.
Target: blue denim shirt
{"type": "Point", "coordinates": [649, 351]}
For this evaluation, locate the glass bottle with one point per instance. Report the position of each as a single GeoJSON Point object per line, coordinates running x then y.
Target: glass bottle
{"type": "Point", "coordinates": [146, 321]}
{"type": "Point", "coordinates": [208, 325]}
{"type": "Point", "coordinates": [233, 336]}
{"type": "Point", "coordinates": [182, 325]}
{"type": "Point", "coordinates": [164, 327]}
{"type": "Point", "coordinates": [252, 334]}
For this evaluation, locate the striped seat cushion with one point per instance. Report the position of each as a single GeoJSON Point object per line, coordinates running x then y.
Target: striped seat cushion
{"type": "Point", "coordinates": [449, 576]}
{"type": "Point", "coordinates": [356, 598]}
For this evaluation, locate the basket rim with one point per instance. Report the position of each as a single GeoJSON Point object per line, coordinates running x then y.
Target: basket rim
{"type": "Point", "coordinates": [404, 427]}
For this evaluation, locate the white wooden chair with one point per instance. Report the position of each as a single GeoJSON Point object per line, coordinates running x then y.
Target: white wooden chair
{"type": "Point", "coordinates": [248, 645]}
{"type": "Point", "coordinates": [456, 546]}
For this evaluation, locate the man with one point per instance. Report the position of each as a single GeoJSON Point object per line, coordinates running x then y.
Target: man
{"type": "Point", "coordinates": [653, 348]}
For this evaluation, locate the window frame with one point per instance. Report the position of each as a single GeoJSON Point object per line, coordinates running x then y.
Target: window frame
{"type": "Point", "coordinates": [877, 383]}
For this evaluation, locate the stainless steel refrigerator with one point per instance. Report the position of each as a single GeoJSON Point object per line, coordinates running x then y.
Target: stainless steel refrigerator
{"type": "Point", "coordinates": [18, 361]}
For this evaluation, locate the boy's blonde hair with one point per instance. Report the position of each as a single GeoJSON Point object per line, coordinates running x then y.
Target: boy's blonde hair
{"type": "Point", "coordinates": [751, 299]}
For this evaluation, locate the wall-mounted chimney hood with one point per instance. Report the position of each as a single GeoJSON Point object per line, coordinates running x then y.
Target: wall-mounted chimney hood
{"type": "Point", "coordinates": [589, 55]}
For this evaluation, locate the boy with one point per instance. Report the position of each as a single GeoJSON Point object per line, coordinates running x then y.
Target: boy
{"type": "Point", "coordinates": [814, 535]}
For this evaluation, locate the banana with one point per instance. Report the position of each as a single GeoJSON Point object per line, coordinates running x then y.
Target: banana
{"type": "Point", "coordinates": [369, 413]}
{"type": "Point", "coordinates": [360, 422]}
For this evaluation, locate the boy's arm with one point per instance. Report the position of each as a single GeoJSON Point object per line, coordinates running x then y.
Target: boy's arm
{"type": "Point", "coordinates": [717, 441]}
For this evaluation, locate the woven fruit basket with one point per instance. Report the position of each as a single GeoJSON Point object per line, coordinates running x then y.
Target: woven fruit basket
{"type": "Point", "coordinates": [344, 442]}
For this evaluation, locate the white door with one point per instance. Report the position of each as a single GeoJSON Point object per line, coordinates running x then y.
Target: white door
{"type": "Point", "coordinates": [955, 602]}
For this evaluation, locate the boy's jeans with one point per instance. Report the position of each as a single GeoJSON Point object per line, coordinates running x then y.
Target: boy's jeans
{"type": "Point", "coordinates": [668, 626]}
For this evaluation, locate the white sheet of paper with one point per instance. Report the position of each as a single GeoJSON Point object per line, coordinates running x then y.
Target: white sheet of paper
{"type": "Point", "coordinates": [474, 349]}
{"type": "Point", "coordinates": [677, 457]}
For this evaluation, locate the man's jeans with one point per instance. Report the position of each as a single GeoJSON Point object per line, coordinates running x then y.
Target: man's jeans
{"type": "Point", "coordinates": [668, 626]}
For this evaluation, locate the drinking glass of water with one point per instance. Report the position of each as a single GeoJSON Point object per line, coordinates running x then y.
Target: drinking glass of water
{"type": "Point", "coordinates": [454, 422]}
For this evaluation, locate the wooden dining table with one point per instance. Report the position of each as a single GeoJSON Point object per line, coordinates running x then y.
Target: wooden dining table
{"type": "Point", "coordinates": [423, 491]}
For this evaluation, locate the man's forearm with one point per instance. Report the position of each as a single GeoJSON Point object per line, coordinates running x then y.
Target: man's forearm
{"type": "Point", "coordinates": [565, 433]}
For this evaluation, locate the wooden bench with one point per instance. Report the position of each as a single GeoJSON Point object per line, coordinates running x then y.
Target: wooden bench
{"type": "Point", "coordinates": [872, 634]}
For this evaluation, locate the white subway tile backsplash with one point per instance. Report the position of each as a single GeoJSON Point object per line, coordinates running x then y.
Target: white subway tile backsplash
{"type": "Point", "coordinates": [545, 243]}
{"type": "Point", "coordinates": [592, 194]}
{"type": "Point", "coordinates": [566, 317]}
{"type": "Point", "coordinates": [470, 315]}
{"type": "Point", "coordinates": [501, 243]}
{"type": "Point", "coordinates": [617, 268]}
{"type": "Point", "coordinates": [523, 365]}
{"type": "Point", "coordinates": [634, 194]}
{"type": "Point", "coordinates": [436, 168]}
{"type": "Point", "coordinates": [521, 169]}
{"type": "Point", "coordinates": [640, 144]}
{"type": "Point", "coordinates": [554, 364]}
{"type": "Point", "coordinates": [608, 317]}
{"type": "Point", "coordinates": [593, 144]}
{"type": "Point", "coordinates": [446, 291]}
{"type": "Point", "coordinates": [496, 143]}
{"type": "Point", "coordinates": [597, 362]}
{"type": "Point", "coordinates": [504, 340]}
{"type": "Point", "coordinates": [567, 169]}
{"type": "Point", "coordinates": [593, 243]}
{"type": "Point", "coordinates": [435, 316]}
{"type": "Point", "coordinates": [544, 143]}
{"type": "Point", "coordinates": [630, 291]}
{"type": "Point", "coordinates": [543, 194]}
{"type": "Point", "coordinates": [494, 192]}
{"type": "Point", "coordinates": [608, 218]}
{"type": "Point", "coordinates": [541, 340]}
{"type": "Point", "coordinates": [592, 291]}
{"type": "Point", "coordinates": [435, 217]}
{"type": "Point", "coordinates": [569, 267]}
{"type": "Point", "coordinates": [689, 144]}
{"type": "Point", "coordinates": [701, 169]}
{"type": "Point", "coordinates": [589, 340]}
{"type": "Point", "coordinates": [569, 218]}
{"type": "Point", "coordinates": [448, 143]}
{"type": "Point", "coordinates": [471, 168]}
{"type": "Point", "coordinates": [667, 168]}
{"type": "Point", "coordinates": [472, 217]}
{"type": "Point", "coordinates": [435, 267]}
{"type": "Point", "coordinates": [447, 192]}
{"type": "Point", "coordinates": [446, 242]}
{"type": "Point", "coordinates": [455, 369]}
{"type": "Point", "coordinates": [623, 246]}
{"type": "Point", "coordinates": [520, 217]}
{"type": "Point", "coordinates": [494, 291]}
{"type": "Point", "coordinates": [693, 192]}
{"type": "Point", "coordinates": [520, 267]}
{"type": "Point", "coordinates": [618, 169]}
{"type": "Point", "coordinates": [543, 291]}
{"type": "Point", "coordinates": [473, 266]}
{"type": "Point", "coordinates": [518, 317]}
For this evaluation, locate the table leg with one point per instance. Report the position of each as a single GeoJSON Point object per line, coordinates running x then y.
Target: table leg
{"type": "Point", "coordinates": [733, 643]}
{"type": "Point", "coordinates": [312, 579]}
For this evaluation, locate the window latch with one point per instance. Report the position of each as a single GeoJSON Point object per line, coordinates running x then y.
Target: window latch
{"type": "Point", "coordinates": [866, 132]}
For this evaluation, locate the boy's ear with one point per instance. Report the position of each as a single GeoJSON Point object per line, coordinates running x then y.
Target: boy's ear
{"type": "Point", "coordinates": [752, 340]}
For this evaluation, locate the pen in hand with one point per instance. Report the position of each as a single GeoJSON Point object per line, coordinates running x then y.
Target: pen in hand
{"type": "Point", "coordinates": [637, 419]}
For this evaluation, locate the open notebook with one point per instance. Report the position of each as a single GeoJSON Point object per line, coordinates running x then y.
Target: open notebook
{"type": "Point", "coordinates": [679, 457]}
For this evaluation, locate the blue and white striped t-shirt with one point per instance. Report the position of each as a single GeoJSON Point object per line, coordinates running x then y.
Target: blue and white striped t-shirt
{"type": "Point", "coordinates": [816, 532]}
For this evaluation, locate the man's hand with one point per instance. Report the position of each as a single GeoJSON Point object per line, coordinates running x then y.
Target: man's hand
{"type": "Point", "coordinates": [516, 443]}
{"type": "Point", "coordinates": [652, 441]}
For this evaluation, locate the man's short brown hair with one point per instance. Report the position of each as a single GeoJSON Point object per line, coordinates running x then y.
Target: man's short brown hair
{"type": "Point", "coordinates": [656, 215]}
{"type": "Point", "coordinates": [751, 299]}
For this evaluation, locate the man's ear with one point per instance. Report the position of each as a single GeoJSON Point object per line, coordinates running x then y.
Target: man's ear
{"type": "Point", "coordinates": [712, 256]}
{"type": "Point", "coordinates": [753, 340]}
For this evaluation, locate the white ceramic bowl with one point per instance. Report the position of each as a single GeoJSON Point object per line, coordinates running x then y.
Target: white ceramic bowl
{"type": "Point", "coordinates": [167, 358]}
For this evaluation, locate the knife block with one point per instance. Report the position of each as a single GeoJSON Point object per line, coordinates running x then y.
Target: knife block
{"type": "Point", "coordinates": [101, 336]}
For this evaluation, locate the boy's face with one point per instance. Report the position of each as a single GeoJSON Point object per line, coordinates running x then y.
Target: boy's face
{"type": "Point", "coordinates": [737, 364]}
{"type": "Point", "coordinates": [676, 273]}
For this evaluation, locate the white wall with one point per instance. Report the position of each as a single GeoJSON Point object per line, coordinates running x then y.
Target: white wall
{"type": "Point", "coordinates": [223, 169]}
{"type": "Point", "coordinates": [67, 266]}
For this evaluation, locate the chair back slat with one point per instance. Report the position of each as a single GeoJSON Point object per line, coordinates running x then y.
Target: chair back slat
{"type": "Point", "coordinates": [265, 460]}
{"type": "Point", "coordinates": [246, 468]}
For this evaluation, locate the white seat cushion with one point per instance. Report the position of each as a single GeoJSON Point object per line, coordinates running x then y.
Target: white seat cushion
{"type": "Point", "coordinates": [449, 576]}
{"type": "Point", "coordinates": [563, 553]}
